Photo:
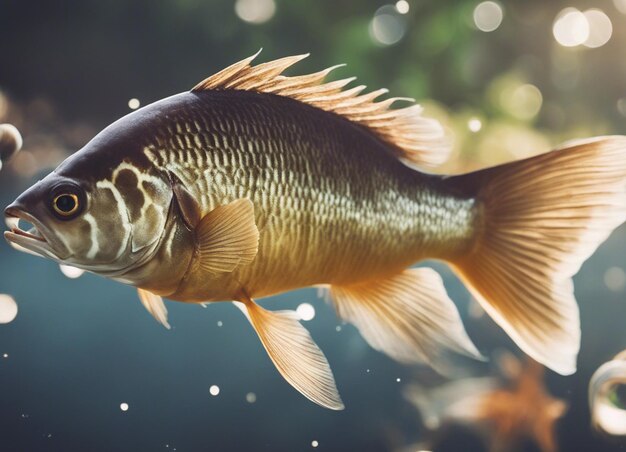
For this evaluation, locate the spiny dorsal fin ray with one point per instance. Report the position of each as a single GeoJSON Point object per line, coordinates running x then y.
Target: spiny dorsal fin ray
{"type": "Point", "coordinates": [417, 141]}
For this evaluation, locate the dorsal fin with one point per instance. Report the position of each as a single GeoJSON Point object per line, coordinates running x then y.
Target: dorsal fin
{"type": "Point", "coordinates": [417, 141]}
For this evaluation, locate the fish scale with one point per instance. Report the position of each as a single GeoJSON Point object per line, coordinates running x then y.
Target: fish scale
{"type": "Point", "coordinates": [331, 200]}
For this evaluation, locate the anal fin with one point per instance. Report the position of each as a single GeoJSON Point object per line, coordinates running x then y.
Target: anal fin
{"type": "Point", "coordinates": [294, 353]}
{"type": "Point", "coordinates": [154, 305]}
{"type": "Point", "coordinates": [407, 316]}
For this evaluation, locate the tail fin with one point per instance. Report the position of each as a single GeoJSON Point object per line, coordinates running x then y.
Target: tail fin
{"type": "Point", "coordinates": [541, 219]}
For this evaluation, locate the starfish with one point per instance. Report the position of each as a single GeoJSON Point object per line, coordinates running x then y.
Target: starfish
{"type": "Point", "coordinates": [525, 409]}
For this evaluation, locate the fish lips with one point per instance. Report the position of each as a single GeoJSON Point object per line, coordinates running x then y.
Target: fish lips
{"type": "Point", "coordinates": [38, 240]}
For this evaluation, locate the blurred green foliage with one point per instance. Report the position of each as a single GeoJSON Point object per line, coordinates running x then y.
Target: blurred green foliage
{"type": "Point", "coordinates": [88, 58]}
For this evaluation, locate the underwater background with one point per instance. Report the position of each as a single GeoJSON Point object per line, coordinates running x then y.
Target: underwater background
{"type": "Point", "coordinates": [83, 366]}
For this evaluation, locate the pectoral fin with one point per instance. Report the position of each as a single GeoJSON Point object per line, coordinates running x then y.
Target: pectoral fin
{"type": "Point", "coordinates": [155, 306]}
{"type": "Point", "coordinates": [227, 237]}
{"type": "Point", "coordinates": [407, 316]}
{"type": "Point", "coordinates": [298, 359]}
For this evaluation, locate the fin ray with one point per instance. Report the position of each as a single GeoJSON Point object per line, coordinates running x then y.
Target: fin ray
{"type": "Point", "coordinates": [417, 141]}
{"type": "Point", "coordinates": [542, 218]}
{"type": "Point", "coordinates": [155, 306]}
{"type": "Point", "coordinates": [407, 316]}
{"type": "Point", "coordinates": [294, 353]}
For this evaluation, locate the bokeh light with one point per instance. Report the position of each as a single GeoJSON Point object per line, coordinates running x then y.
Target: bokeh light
{"type": "Point", "coordinates": [255, 11]}
{"type": "Point", "coordinates": [620, 5]}
{"type": "Point", "coordinates": [214, 390]}
{"type": "Point", "coordinates": [8, 308]}
{"type": "Point", "coordinates": [621, 106]}
{"type": "Point", "coordinates": [124, 406]}
{"type": "Point", "coordinates": [71, 272]}
{"type": "Point", "coordinates": [571, 28]}
{"type": "Point", "coordinates": [600, 28]}
{"type": "Point", "coordinates": [615, 279]}
{"type": "Point", "coordinates": [315, 443]}
{"type": "Point", "coordinates": [251, 397]}
{"type": "Point", "coordinates": [134, 104]}
{"type": "Point", "coordinates": [402, 6]}
{"type": "Point", "coordinates": [474, 125]}
{"type": "Point", "coordinates": [488, 16]}
{"type": "Point", "coordinates": [388, 26]}
{"type": "Point", "coordinates": [520, 100]}
{"type": "Point", "coordinates": [305, 312]}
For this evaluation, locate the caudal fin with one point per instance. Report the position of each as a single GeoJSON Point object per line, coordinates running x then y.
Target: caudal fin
{"type": "Point", "coordinates": [541, 218]}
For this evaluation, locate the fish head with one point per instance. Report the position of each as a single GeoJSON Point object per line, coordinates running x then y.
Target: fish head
{"type": "Point", "coordinates": [108, 225]}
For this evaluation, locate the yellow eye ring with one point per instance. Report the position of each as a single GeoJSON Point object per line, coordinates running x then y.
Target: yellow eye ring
{"type": "Point", "coordinates": [65, 204]}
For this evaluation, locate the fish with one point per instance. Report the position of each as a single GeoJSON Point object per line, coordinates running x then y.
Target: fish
{"type": "Point", "coordinates": [510, 408]}
{"type": "Point", "coordinates": [254, 183]}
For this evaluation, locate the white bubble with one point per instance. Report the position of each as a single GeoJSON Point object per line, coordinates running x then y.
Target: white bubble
{"type": "Point", "coordinates": [338, 328]}
{"type": "Point", "coordinates": [8, 308]}
{"type": "Point", "coordinates": [71, 272]}
{"type": "Point", "coordinates": [387, 27]}
{"type": "Point", "coordinates": [133, 104]}
{"type": "Point", "coordinates": [488, 16]}
{"type": "Point", "coordinates": [600, 28]}
{"type": "Point", "coordinates": [402, 6]}
{"type": "Point", "coordinates": [220, 323]}
{"type": "Point", "coordinates": [571, 28]}
{"type": "Point", "coordinates": [615, 279]}
{"type": "Point", "coordinates": [398, 380]}
{"type": "Point", "coordinates": [251, 397]}
{"type": "Point", "coordinates": [255, 11]}
{"type": "Point", "coordinates": [606, 397]}
{"type": "Point", "coordinates": [474, 125]}
{"type": "Point", "coordinates": [5, 355]}
{"type": "Point", "coordinates": [214, 390]}
{"type": "Point", "coordinates": [305, 312]}
{"type": "Point", "coordinates": [124, 406]}
{"type": "Point", "coordinates": [314, 443]}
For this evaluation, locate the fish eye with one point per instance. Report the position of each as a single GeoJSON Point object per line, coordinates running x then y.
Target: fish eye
{"type": "Point", "coordinates": [66, 202]}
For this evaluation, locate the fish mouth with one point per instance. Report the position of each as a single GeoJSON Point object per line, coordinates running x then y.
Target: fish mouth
{"type": "Point", "coordinates": [33, 240]}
